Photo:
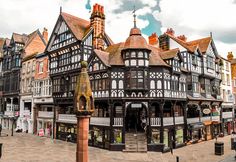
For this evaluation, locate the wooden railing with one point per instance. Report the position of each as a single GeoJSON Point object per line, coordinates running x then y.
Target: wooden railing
{"type": "Point", "coordinates": [100, 121]}
{"type": "Point", "coordinates": [155, 121]}
{"type": "Point", "coordinates": [192, 120]}
{"type": "Point", "coordinates": [118, 122]}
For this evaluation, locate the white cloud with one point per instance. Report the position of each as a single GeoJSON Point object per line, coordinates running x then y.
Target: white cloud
{"type": "Point", "coordinates": [197, 19]}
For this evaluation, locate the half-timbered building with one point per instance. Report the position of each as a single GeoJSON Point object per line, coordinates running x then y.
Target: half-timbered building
{"type": "Point", "coordinates": [202, 62]}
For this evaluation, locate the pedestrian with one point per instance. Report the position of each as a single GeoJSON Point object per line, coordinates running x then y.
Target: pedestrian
{"type": "Point", "coordinates": [0, 129]}
{"type": "Point", "coordinates": [144, 123]}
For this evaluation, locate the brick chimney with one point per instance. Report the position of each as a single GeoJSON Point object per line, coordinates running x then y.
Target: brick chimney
{"type": "Point", "coordinates": [170, 31]}
{"type": "Point", "coordinates": [45, 34]}
{"type": "Point", "coordinates": [230, 56]}
{"type": "Point", "coordinates": [97, 21]}
{"type": "Point", "coordinates": [182, 37]}
{"type": "Point", "coordinates": [153, 40]}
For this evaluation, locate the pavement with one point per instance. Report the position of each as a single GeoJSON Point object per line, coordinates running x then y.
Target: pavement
{"type": "Point", "coordinates": [24, 147]}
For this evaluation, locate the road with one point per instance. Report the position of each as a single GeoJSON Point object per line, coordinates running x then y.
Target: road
{"type": "Point", "coordinates": [24, 147]}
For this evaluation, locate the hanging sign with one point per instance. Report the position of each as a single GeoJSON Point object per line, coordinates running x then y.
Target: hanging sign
{"type": "Point", "coordinates": [136, 105]}
{"type": "Point", "coordinates": [206, 111]}
{"type": "Point", "coordinates": [41, 132]}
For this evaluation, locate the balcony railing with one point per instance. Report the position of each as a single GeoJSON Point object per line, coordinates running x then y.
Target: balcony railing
{"type": "Point", "coordinates": [168, 121]}
{"type": "Point", "coordinates": [100, 121]}
{"type": "Point", "coordinates": [155, 121]}
{"type": "Point", "coordinates": [227, 115]}
{"type": "Point", "coordinates": [192, 120]}
{"type": "Point", "coordinates": [46, 114]}
{"type": "Point", "coordinates": [179, 120]}
{"type": "Point", "coordinates": [118, 122]}
{"type": "Point", "coordinates": [71, 118]}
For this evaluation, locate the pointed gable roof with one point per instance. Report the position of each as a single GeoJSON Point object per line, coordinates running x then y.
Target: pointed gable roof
{"type": "Point", "coordinates": [155, 58]}
{"type": "Point", "coordinates": [202, 43]}
{"type": "Point", "coordinates": [169, 54]}
{"type": "Point", "coordinates": [77, 25]}
{"type": "Point", "coordinates": [103, 56]}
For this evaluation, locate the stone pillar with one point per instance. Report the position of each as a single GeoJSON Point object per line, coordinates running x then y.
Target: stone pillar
{"type": "Point", "coordinates": [12, 104]}
{"type": "Point", "coordinates": [82, 138]}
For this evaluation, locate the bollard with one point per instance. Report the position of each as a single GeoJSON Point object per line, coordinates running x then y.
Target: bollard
{"type": "Point", "coordinates": [177, 159]}
{"type": "Point", "coordinates": [0, 150]}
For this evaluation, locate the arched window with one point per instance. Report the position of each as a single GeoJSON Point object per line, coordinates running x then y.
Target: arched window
{"type": "Point", "coordinates": [152, 84]}
{"type": "Point", "coordinates": [101, 66]}
{"type": "Point", "coordinates": [113, 84]}
{"type": "Point", "coordinates": [140, 54]}
{"type": "Point", "coordinates": [133, 54]}
{"type": "Point", "coordinates": [121, 84]}
{"type": "Point", "coordinates": [159, 85]}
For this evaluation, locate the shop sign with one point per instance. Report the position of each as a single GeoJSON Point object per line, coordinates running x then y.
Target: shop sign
{"type": "Point", "coordinates": [41, 132]}
{"type": "Point", "coordinates": [136, 105]}
{"type": "Point", "coordinates": [206, 111]}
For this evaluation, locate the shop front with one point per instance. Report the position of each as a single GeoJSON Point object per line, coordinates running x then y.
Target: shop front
{"type": "Point", "coordinates": [44, 127]}
{"type": "Point", "coordinates": [195, 133]}
{"type": "Point", "coordinates": [227, 126]}
{"type": "Point", "coordinates": [66, 131]}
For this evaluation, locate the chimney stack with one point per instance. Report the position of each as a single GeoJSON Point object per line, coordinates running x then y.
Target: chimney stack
{"type": "Point", "coordinates": [45, 34]}
{"type": "Point", "coordinates": [153, 40]}
{"type": "Point", "coordinates": [230, 56]}
{"type": "Point", "coordinates": [97, 21]}
{"type": "Point", "coordinates": [170, 31]}
{"type": "Point", "coordinates": [182, 37]}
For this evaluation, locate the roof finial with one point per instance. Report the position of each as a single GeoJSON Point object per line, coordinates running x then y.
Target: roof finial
{"type": "Point", "coordinates": [211, 34]}
{"type": "Point", "coordinates": [134, 15]}
{"type": "Point", "coordinates": [60, 9]}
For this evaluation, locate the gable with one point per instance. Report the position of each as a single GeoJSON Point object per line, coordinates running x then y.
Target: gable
{"type": "Point", "coordinates": [36, 45]}
{"type": "Point", "coordinates": [96, 65]}
{"type": "Point", "coordinates": [210, 51]}
{"type": "Point", "coordinates": [61, 36]}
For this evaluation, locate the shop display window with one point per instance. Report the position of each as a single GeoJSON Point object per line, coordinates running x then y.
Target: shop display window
{"type": "Point", "coordinates": [179, 136]}
{"type": "Point", "coordinates": [117, 136]}
{"type": "Point", "coordinates": [166, 138]}
{"type": "Point", "coordinates": [98, 140]}
{"type": "Point", "coordinates": [155, 136]}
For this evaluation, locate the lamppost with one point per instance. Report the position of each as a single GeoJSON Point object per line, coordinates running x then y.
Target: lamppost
{"type": "Point", "coordinates": [84, 107]}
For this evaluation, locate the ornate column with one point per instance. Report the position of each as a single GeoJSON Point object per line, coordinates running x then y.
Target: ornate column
{"type": "Point", "coordinates": [84, 107]}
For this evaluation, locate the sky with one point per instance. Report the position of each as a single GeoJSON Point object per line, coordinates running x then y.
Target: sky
{"type": "Point", "coordinates": [192, 18]}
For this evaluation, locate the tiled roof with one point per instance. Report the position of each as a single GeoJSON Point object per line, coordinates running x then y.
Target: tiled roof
{"type": "Point", "coordinates": [233, 61]}
{"type": "Point", "coordinates": [114, 51]}
{"type": "Point", "coordinates": [20, 38]}
{"type": "Point", "coordinates": [155, 58]}
{"type": "Point", "coordinates": [169, 54]}
{"type": "Point", "coordinates": [201, 43]}
{"type": "Point", "coordinates": [115, 57]}
{"type": "Point", "coordinates": [135, 40]}
{"type": "Point", "coordinates": [77, 25]}
{"type": "Point", "coordinates": [104, 56]}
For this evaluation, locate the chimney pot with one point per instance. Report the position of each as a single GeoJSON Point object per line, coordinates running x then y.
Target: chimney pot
{"type": "Point", "coordinates": [153, 39]}
{"type": "Point", "coordinates": [102, 9]}
{"type": "Point", "coordinates": [45, 34]}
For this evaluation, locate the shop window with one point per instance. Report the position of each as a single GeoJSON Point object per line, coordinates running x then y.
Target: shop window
{"type": "Point", "coordinates": [98, 141]}
{"type": "Point", "coordinates": [179, 136]}
{"type": "Point", "coordinates": [166, 137]}
{"type": "Point", "coordinates": [117, 136]}
{"type": "Point", "coordinates": [155, 136]}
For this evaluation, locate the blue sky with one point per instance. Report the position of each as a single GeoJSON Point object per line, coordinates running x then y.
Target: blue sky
{"type": "Point", "coordinates": [194, 19]}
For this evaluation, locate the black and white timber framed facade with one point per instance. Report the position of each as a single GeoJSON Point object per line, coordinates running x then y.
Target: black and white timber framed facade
{"type": "Point", "coordinates": [174, 87]}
